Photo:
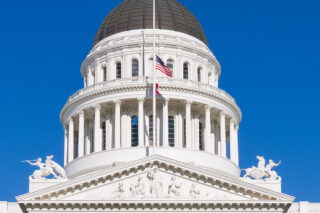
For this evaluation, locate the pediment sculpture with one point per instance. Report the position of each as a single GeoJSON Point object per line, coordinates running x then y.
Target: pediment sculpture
{"type": "Point", "coordinates": [263, 171]}
{"type": "Point", "coordinates": [46, 169]}
{"type": "Point", "coordinates": [153, 184]}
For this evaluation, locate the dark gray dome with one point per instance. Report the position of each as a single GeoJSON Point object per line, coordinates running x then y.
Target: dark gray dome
{"type": "Point", "coordinates": [137, 14]}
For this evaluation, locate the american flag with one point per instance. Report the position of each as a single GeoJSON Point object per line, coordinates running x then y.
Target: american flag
{"type": "Point", "coordinates": [162, 67]}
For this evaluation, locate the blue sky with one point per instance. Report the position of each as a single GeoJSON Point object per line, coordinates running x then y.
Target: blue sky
{"type": "Point", "coordinates": [268, 50]}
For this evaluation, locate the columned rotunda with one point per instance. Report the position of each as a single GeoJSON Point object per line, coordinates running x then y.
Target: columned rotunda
{"type": "Point", "coordinates": [113, 163]}
{"type": "Point", "coordinates": [110, 120]}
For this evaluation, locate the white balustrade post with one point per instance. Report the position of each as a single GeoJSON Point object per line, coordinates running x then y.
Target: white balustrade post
{"type": "Point", "coordinates": [65, 145]}
{"type": "Point", "coordinates": [223, 134]}
{"type": "Point", "coordinates": [236, 144]}
{"type": "Point", "coordinates": [233, 150]}
{"type": "Point", "coordinates": [207, 137]}
{"type": "Point", "coordinates": [165, 124]}
{"type": "Point", "coordinates": [70, 141]}
{"type": "Point", "coordinates": [117, 135]}
{"type": "Point", "coordinates": [188, 124]}
{"type": "Point", "coordinates": [81, 134]}
{"type": "Point", "coordinates": [141, 122]}
{"type": "Point", "coordinates": [97, 129]}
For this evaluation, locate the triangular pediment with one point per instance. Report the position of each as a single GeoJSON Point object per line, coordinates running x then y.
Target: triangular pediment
{"type": "Point", "coordinates": [155, 178]}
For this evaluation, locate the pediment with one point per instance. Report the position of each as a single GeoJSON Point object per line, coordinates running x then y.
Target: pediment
{"type": "Point", "coordinates": [154, 183]}
{"type": "Point", "coordinates": [155, 178]}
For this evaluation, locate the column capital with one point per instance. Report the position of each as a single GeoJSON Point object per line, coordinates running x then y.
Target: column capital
{"type": "Point", "coordinates": [140, 100]}
{"type": "Point", "coordinates": [166, 100]}
{"type": "Point", "coordinates": [70, 119]}
{"type": "Point", "coordinates": [232, 121]}
{"type": "Point", "coordinates": [188, 102]}
{"type": "Point", "coordinates": [237, 127]}
{"type": "Point", "coordinates": [117, 101]}
{"type": "Point", "coordinates": [222, 113]}
{"type": "Point", "coordinates": [207, 107]}
{"type": "Point", "coordinates": [97, 107]}
{"type": "Point", "coordinates": [81, 112]}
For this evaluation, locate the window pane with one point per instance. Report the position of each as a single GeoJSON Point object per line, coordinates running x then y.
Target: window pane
{"type": "Point", "coordinates": [170, 64]}
{"type": "Point", "coordinates": [118, 70]}
{"type": "Point", "coordinates": [199, 74]}
{"type": "Point", "coordinates": [185, 71]}
{"type": "Point", "coordinates": [171, 131]}
{"type": "Point", "coordinates": [200, 137]}
{"type": "Point", "coordinates": [135, 68]}
{"type": "Point", "coordinates": [151, 128]}
{"type": "Point", "coordinates": [104, 70]}
{"type": "Point", "coordinates": [104, 136]}
{"type": "Point", "coordinates": [134, 131]}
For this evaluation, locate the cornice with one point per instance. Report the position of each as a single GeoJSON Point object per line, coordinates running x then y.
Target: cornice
{"type": "Point", "coordinates": [157, 205]}
{"type": "Point", "coordinates": [175, 85]}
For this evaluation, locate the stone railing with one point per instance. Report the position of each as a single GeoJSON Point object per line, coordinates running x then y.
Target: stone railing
{"type": "Point", "coordinates": [163, 81]}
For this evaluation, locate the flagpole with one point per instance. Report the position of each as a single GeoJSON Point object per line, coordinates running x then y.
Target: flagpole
{"type": "Point", "coordinates": [154, 78]}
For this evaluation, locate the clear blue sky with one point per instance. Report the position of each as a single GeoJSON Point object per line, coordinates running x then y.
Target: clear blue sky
{"type": "Point", "coordinates": [268, 50]}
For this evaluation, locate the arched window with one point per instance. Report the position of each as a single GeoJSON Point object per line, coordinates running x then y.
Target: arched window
{"type": "Point", "coordinates": [171, 130]}
{"type": "Point", "coordinates": [104, 133]}
{"type": "Point", "coordinates": [150, 129]}
{"type": "Point", "coordinates": [185, 71]}
{"type": "Point", "coordinates": [134, 131]}
{"type": "Point", "coordinates": [118, 70]}
{"type": "Point", "coordinates": [201, 137]}
{"type": "Point", "coordinates": [150, 67]}
{"type": "Point", "coordinates": [135, 68]}
{"type": "Point", "coordinates": [170, 64]}
{"type": "Point", "coordinates": [199, 74]}
{"type": "Point", "coordinates": [104, 72]}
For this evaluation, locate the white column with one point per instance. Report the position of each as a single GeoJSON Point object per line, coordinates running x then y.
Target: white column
{"type": "Point", "coordinates": [207, 146]}
{"type": "Point", "coordinates": [165, 124]}
{"type": "Point", "coordinates": [223, 134]}
{"type": "Point", "coordinates": [188, 124]}
{"type": "Point", "coordinates": [125, 130]}
{"type": "Point", "coordinates": [97, 129]}
{"type": "Point", "coordinates": [233, 150]}
{"type": "Point", "coordinates": [65, 145]}
{"type": "Point", "coordinates": [176, 130]}
{"type": "Point", "coordinates": [87, 138]}
{"type": "Point", "coordinates": [236, 144]}
{"type": "Point", "coordinates": [108, 132]}
{"type": "Point", "coordinates": [117, 124]}
{"type": "Point", "coordinates": [141, 122]}
{"type": "Point", "coordinates": [217, 139]}
{"type": "Point", "coordinates": [70, 141]}
{"type": "Point", "coordinates": [81, 134]}
{"type": "Point", "coordinates": [212, 139]}
{"type": "Point", "coordinates": [180, 129]}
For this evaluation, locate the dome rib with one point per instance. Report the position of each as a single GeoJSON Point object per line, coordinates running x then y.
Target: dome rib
{"type": "Point", "coordinates": [137, 14]}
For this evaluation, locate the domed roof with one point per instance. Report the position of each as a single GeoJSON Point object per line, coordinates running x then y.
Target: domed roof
{"type": "Point", "coordinates": [137, 14]}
